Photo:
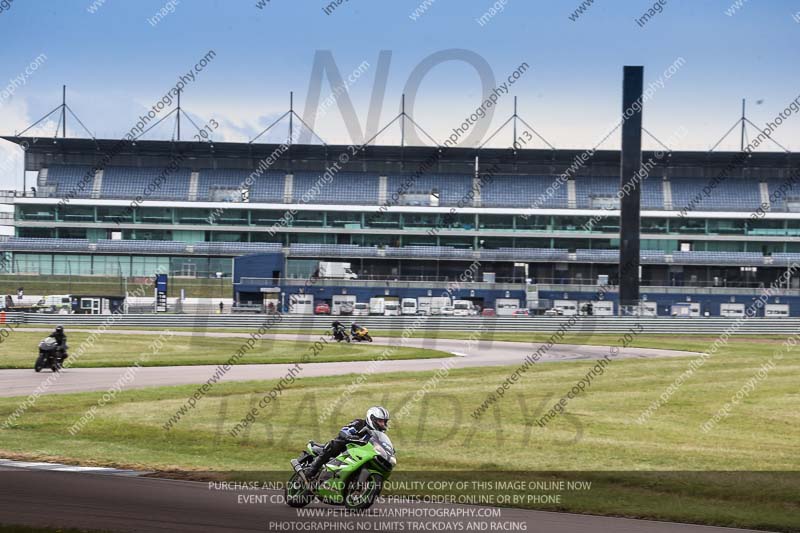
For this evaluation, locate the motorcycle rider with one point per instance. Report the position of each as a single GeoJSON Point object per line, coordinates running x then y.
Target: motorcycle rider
{"type": "Point", "coordinates": [377, 419]}
{"type": "Point", "coordinates": [61, 339]}
{"type": "Point", "coordinates": [354, 328]}
{"type": "Point", "coordinates": [337, 329]}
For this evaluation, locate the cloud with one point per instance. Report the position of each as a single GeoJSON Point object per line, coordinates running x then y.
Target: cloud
{"type": "Point", "coordinates": [16, 118]}
{"type": "Point", "coordinates": [238, 123]}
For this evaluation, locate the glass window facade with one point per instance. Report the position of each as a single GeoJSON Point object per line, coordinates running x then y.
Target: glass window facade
{"type": "Point", "coordinates": [366, 227]}
{"type": "Point", "coordinates": [76, 213]}
{"type": "Point", "coordinates": [114, 265]}
{"type": "Point", "coordinates": [154, 215]}
{"type": "Point", "coordinates": [35, 212]}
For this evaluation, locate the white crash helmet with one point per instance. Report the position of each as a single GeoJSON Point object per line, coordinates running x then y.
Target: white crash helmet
{"type": "Point", "coordinates": [377, 418]}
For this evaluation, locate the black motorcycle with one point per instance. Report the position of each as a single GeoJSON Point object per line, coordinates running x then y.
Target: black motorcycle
{"type": "Point", "coordinates": [340, 334]}
{"type": "Point", "coordinates": [50, 355]}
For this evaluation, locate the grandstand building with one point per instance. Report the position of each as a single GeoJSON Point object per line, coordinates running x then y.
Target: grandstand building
{"type": "Point", "coordinates": [721, 221]}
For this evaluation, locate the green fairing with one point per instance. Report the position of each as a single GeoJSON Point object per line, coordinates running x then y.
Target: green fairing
{"type": "Point", "coordinates": [373, 460]}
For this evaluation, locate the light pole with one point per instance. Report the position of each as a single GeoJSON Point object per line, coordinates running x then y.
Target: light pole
{"type": "Point", "coordinates": [219, 276]}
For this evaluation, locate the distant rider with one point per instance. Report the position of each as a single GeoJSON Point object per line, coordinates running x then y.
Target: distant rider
{"type": "Point", "coordinates": [337, 329]}
{"type": "Point", "coordinates": [377, 419]}
{"type": "Point", "coordinates": [61, 340]}
{"type": "Point", "coordinates": [354, 328]}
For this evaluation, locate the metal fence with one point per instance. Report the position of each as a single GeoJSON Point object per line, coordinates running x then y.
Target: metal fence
{"type": "Point", "coordinates": [663, 325]}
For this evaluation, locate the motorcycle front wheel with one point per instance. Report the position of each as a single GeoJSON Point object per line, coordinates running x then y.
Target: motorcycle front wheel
{"type": "Point", "coordinates": [296, 492]}
{"type": "Point", "coordinates": [39, 363]}
{"type": "Point", "coordinates": [359, 496]}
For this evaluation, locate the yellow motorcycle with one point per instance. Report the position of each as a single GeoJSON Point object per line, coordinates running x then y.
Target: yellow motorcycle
{"type": "Point", "coordinates": [362, 335]}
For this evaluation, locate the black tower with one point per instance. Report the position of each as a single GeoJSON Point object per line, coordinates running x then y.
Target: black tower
{"type": "Point", "coordinates": [630, 204]}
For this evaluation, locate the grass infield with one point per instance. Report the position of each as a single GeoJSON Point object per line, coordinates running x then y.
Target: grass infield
{"type": "Point", "coordinates": [19, 350]}
{"type": "Point", "coordinates": [661, 469]}
{"type": "Point", "coordinates": [690, 342]}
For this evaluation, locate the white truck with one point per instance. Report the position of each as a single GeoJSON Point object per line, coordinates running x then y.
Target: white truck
{"type": "Point", "coordinates": [647, 309]}
{"type": "Point", "coordinates": [391, 308]}
{"type": "Point", "coordinates": [334, 270]}
{"type": "Point", "coordinates": [408, 306]}
{"type": "Point", "coordinates": [61, 304]}
{"type": "Point", "coordinates": [463, 308]}
{"type": "Point", "coordinates": [438, 303]}
{"type": "Point", "coordinates": [566, 307]}
{"type": "Point", "coordinates": [360, 309]}
{"type": "Point", "coordinates": [599, 308]}
{"type": "Point", "coordinates": [424, 305]}
{"type": "Point", "coordinates": [731, 310]}
{"type": "Point", "coordinates": [376, 306]}
{"type": "Point", "coordinates": [342, 304]}
{"type": "Point", "coordinates": [776, 310]}
{"type": "Point", "coordinates": [301, 304]}
{"type": "Point", "coordinates": [684, 309]}
{"type": "Point", "coordinates": [506, 306]}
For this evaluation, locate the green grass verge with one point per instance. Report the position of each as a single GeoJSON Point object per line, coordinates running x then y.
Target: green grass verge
{"type": "Point", "coordinates": [744, 344]}
{"type": "Point", "coordinates": [598, 433]}
{"type": "Point", "coordinates": [19, 350]}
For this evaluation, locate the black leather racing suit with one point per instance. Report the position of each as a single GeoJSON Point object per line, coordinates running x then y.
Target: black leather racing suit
{"type": "Point", "coordinates": [348, 433]}
{"type": "Point", "coordinates": [61, 340]}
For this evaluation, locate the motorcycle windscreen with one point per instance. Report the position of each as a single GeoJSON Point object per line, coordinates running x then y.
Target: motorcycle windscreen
{"type": "Point", "coordinates": [381, 439]}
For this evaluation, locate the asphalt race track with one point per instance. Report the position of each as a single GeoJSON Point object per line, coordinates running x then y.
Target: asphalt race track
{"type": "Point", "coordinates": [115, 503]}
{"type": "Point", "coordinates": [21, 382]}
{"type": "Point", "coordinates": [43, 497]}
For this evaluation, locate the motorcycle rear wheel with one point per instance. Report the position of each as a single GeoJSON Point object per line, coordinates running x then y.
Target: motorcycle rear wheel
{"type": "Point", "coordinates": [296, 493]}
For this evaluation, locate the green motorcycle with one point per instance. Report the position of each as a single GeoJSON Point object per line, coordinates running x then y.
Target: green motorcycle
{"type": "Point", "coordinates": [353, 479]}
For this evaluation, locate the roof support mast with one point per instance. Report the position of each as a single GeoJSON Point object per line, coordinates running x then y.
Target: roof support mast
{"type": "Point", "coordinates": [514, 139]}
{"type": "Point", "coordinates": [64, 111]}
{"type": "Point", "coordinates": [743, 121]}
{"type": "Point", "coordinates": [291, 116]}
{"type": "Point", "coordinates": [403, 120]}
{"type": "Point", "coordinates": [744, 118]}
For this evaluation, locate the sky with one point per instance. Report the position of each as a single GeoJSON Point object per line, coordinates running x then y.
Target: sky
{"type": "Point", "coordinates": [119, 58]}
